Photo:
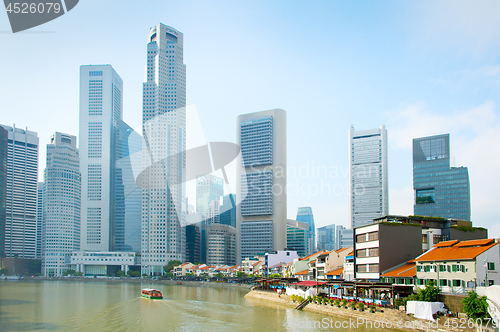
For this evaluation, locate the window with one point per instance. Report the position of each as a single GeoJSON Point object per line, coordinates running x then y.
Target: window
{"type": "Point", "coordinates": [491, 266]}
{"type": "Point", "coordinates": [457, 282]}
{"type": "Point", "coordinates": [424, 238]}
{"type": "Point", "coordinates": [361, 253]}
{"type": "Point", "coordinates": [373, 252]}
{"type": "Point", "coordinates": [373, 236]}
{"type": "Point", "coordinates": [443, 282]}
{"type": "Point", "coordinates": [442, 268]}
{"type": "Point", "coordinates": [361, 238]}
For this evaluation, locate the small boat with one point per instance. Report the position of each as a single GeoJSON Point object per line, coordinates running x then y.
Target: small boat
{"type": "Point", "coordinates": [179, 282]}
{"type": "Point", "coordinates": [152, 294]}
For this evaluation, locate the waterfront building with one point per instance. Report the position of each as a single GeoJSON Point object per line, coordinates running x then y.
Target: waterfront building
{"type": "Point", "coordinates": [261, 183]}
{"type": "Point", "coordinates": [101, 105]}
{"type": "Point", "coordinates": [21, 193]}
{"type": "Point", "coordinates": [381, 246]}
{"type": "Point", "coordinates": [61, 204]}
{"type": "Point", "coordinates": [326, 237]}
{"type": "Point", "coordinates": [39, 219]}
{"type": "Point", "coordinates": [228, 210]}
{"type": "Point", "coordinates": [440, 190]}
{"type": "Point", "coordinates": [305, 215]}
{"type": "Point", "coordinates": [368, 179]}
{"type": "Point", "coordinates": [336, 259]}
{"type": "Point", "coordinates": [273, 259]}
{"type": "Point", "coordinates": [221, 245]}
{"type": "Point", "coordinates": [164, 135]}
{"type": "Point", "coordinates": [459, 267]}
{"type": "Point", "coordinates": [297, 237]}
{"type": "Point", "coordinates": [3, 186]}
{"type": "Point", "coordinates": [102, 263]}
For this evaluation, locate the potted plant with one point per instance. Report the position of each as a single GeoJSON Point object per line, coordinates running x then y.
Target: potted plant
{"type": "Point", "coordinates": [337, 303]}
{"type": "Point", "coordinates": [294, 297]}
{"type": "Point", "coordinates": [309, 298]}
{"type": "Point", "coordinates": [353, 305]}
{"type": "Point", "coordinates": [344, 303]}
{"type": "Point", "coordinates": [361, 306]}
{"type": "Point", "coordinates": [372, 308]}
{"type": "Point", "coordinates": [331, 302]}
{"type": "Point", "coordinates": [326, 301]}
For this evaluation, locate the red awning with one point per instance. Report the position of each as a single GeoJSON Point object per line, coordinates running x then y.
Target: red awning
{"type": "Point", "coordinates": [309, 283]}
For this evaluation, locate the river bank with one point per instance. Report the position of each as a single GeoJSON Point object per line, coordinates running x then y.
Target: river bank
{"type": "Point", "coordinates": [137, 281]}
{"type": "Point", "coordinates": [389, 318]}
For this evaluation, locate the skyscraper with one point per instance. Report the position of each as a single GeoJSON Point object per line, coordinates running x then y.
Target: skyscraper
{"type": "Point", "coordinates": [368, 180]}
{"type": "Point", "coordinates": [3, 186]}
{"type": "Point", "coordinates": [343, 237]}
{"type": "Point", "coordinates": [297, 237]}
{"type": "Point", "coordinates": [164, 134]}
{"type": "Point", "coordinates": [327, 238]}
{"type": "Point", "coordinates": [440, 190]}
{"type": "Point", "coordinates": [221, 245]}
{"type": "Point", "coordinates": [209, 188]}
{"type": "Point", "coordinates": [21, 193]}
{"type": "Point", "coordinates": [101, 105]}
{"type": "Point", "coordinates": [39, 219]}
{"type": "Point", "coordinates": [61, 204]}
{"type": "Point", "coordinates": [261, 183]}
{"type": "Point", "coordinates": [228, 210]}
{"type": "Point", "coordinates": [305, 215]}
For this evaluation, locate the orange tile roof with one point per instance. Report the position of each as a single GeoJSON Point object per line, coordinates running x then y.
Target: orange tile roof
{"type": "Point", "coordinates": [349, 254]}
{"type": "Point", "coordinates": [446, 243]}
{"type": "Point", "coordinates": [407, 270]}
{"type": "Point", "coordinates": [336, 272]}
{"type": "Point", "coordinates": [471, 243]}
{"type": "Point", "coordinates": [456, 252]}
{"type": "Point", "coordinates": [340, 250]}
{"type": "Point", "coordinates": [305, 272]}
{"type": "Point", "coordinates": [316, 253]}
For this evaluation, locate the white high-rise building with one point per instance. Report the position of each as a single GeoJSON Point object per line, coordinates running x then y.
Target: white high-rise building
{"type": "Point", "coordinates": [164, 134]}
{"type": "Point", "coordinates": [101, 105]}
{"type": "Point", "coordinates": [21, 193]}
{"type": "Point", "coordinates": [368, 180]}
{"type": "Point", "coordinates": [261, 221]}
{"type": "Point", "coordinates": [209, 188]}
{"type": "Point", "coordinates": [39, 219]}
{"type": "Point", "coordinates": [61, 204]}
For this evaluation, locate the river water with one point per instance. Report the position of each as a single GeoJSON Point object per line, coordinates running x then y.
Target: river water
{"type": "Point", "coordinates": [106, 306]}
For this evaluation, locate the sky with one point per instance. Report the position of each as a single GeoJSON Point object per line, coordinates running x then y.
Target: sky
{"type": "Point", "coordinates": [419, 68]}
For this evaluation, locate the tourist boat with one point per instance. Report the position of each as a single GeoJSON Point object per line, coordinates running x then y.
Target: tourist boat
{"type": "Point", "coordinates": [152, 294]}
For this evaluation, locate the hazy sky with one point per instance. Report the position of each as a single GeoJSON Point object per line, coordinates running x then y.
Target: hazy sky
{"type": "Point", "coordinates": [421, 68]}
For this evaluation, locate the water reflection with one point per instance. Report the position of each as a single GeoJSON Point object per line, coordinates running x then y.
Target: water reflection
{"type": "Point", "coordinates": [101, 306]}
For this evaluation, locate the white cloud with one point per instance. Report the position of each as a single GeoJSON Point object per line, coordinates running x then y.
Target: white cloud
{"type": "Point", "coordinates": [457, 25]}
{"type": "Point", "coordinates": [475, 138]}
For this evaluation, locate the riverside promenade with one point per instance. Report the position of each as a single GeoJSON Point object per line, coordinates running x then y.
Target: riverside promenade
{"type": "Point", "coordinates": [389, 318]}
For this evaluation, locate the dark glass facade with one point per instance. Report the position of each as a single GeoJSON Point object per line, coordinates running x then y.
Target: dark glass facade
{"type": "Point", "coordinates": [3, 186]}
{"type": "Point", "coordinates": [439, 190]}
{"type": "Point", "coordinates": [228, 210]}
{"type": "Point", "coordinates": [193, 239]}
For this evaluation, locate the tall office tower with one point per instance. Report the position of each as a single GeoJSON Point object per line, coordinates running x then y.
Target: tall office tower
{"type": "Point", "coordinates": [39, 219]}
{"type": "Point", "coordinates": [326, 238]}
{"type": "Point", "coordinates": [440, 190]}
{"type": "Point", "coordinates": [61, 204]}
{"type": "Point", "coordinates": [209, 188]}
{"type": "Point", "coordinates": [297, 237]}
{"type": "Point", "coordinates": [228, 210]}
{"type": "Point", "coordinates": [221, 245]}
{"type": "Point", "coordinates": [164, 134]}
{"type": "Point", "coordinates": [193, 253]}
{"type": "Point", "coordinates": [128, 194]}
{"type": "Point", "coordinates": [305, 215]}
{"type": "Point", "coordinates": [368, 180]}
{"type": "Point", "coordinates": [22, 175]}
{"type": "Point", "coordinates": [343, 237]}
{"type": "Point", "coordinates": [3, 186]}
{"type": "Point", "coordinates": [101, 105]}
{"type": "Point", "coordinates": [261, 183]}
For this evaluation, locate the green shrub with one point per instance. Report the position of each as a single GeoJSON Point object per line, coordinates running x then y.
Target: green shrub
{"type": "Point", "coordinates": [361, 306]}
{"type": "Point", "coordinates": [344, 303]}
{"type": "Point", "coordinates": [475, 307]}
{"type": "Point", "coordinates": [337, 302]}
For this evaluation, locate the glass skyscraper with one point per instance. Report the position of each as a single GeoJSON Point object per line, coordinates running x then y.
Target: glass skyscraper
{"type": "Point", "coordinates": [164, 136]}
{"type": "Point", "coordinates": [228, 210]}
{"type": "Point", "coordinates": [261, 183]}
{"type": "Point", "coordinates": [368, 180]}
{"type": "Point", "coordinates": [297, 237]}
{"type": "Point", "coordinates": [305, 215]}
{"type": "Point", "coordinates": [21, 193]}
{"type": "Point", "coordinates": [326, 238]}
{"type": "Point", "coordinates": [440, 190]}
{"type": "Point", "coordinates": [61, 204]}
{"type": "Point", "coordinates": [3, 186]}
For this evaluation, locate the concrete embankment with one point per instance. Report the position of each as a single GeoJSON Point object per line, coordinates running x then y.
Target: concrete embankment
{"type": "Point", "coordinates": [389, 318]}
